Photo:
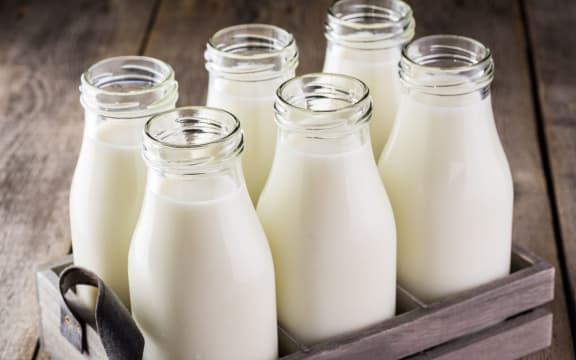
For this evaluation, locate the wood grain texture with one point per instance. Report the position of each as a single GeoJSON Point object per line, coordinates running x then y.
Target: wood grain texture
{"type": "Point", "coordinates": [44, 47]}
{"type": "Point", "coordinates": [498, 24]}
{"type": "Point", "coordinates": [53, 342]}
{"type": "Point", "coordinates": [442, 321]}
{"type": "Point", "coordinates": [509, 340]}
{"type": "Point", "coordinates": [553, 48]}
{"type": "Point", "coordinates": [183, 27]}
{"type": "Point", "coordinates": [496, 318]}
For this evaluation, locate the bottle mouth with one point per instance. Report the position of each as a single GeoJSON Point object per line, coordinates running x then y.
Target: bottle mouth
{"type": "Point", "coordinates": [369, 24]}
{"type": "Point", "coordinates": [251, 52]}
{"type": "Point", "coordinates": [446, 65]}
{"type": "Point", "coordinates": [128, 86]}
{"type": "Point", "coordinates": [194, 139]}
{"type": "Point", "coordinates": [323, 103]}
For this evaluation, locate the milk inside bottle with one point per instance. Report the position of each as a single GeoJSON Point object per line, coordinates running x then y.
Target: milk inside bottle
{"type": "Point", "coordinates": [446, 172]}
{"type": "Point", "coordinates": [365, 38]}
{"type": "Point", "coordinates": [201, 272]}
{"type": "Point", "coordinates": [118, 94]}
{"type": "Point", "coordinates": [247, 63]}
{"type": "Point", "coordinates": [326, 213]}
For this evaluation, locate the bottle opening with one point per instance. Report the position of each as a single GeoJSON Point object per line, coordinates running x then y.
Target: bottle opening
{"type": "Point", "coordinates": [446, 65]}
{"type": "Point", "coordinates": [446, 51]}
{"type": "Point", "coordinates": [127, 74]}
{"type": "Point", "coordinates": [251, 52]}
{"type": "Point", "coordinates": [322, 102]}
{"type": "Point", "coordinates": [370, 24]}
{"type": "Point", "coordinates": [128, 86]}
{"type": "Point", "coordinates": [192, 137]}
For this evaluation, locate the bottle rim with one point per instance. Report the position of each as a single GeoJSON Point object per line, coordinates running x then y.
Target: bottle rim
{"type": "Point", "coordinates": [369, 24]}
{"type": "Point", "coordinates": [192, 139]}
{"type": "Point", "coordinates": [160, 91]}
{"type": "Point", "coordinates": [191, 113]}
{"type": "Point", "coordinates": [322, 102]}
{"type": "Point", "coordinates": [446, 64]}
{"type": "Point", "coordinates": [167, 77]}
{"type": "Point", "coordinates": [251, 52]}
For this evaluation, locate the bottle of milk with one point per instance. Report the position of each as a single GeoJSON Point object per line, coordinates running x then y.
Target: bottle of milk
{"type": "Point", "coordinates": [247, 63]}
{"type": "Point", "coordinates": [118, 95]}
{"type": "Point", "coordinates": [446, 172]}
{"type": "Point", "coordinates": [201, 271]}
{"type": "Point", "coordinates": [326, 212]}
{"type": "Point", "coordinates": [365, 38]}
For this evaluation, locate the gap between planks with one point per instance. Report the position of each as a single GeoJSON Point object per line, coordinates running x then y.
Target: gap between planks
{"type": "Point", "coordinates": [149, 26]}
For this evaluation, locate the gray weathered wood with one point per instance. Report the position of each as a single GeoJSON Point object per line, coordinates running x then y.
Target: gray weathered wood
{"type": "Point", "coordinates": [44, 47]}
{"type": "Point", "coordinates": [183, 27]}
{"type": "Point", "coordinates": [439, 322]}
{"type": "Point", "coordinates": [509, 340]}
{"type": "Point", "coordinates": [498, 24]}
{"type": "Point", "coordinates": [418, 327]}
{"type": "Point", "coordinates": [553, 46]}
{"type": "Point", "coordinates": [52, 341]}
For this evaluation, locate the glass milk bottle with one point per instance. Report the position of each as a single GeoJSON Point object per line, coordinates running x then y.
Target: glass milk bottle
{"type": "Point", "coordinates": [118, 95]}
{"type": "Point", "coordinates": [201, 272]}
{"type": "Point", "coordinates": [247, 63]}
{"type": "Point", "coordinates": [326, 212]}
{"type": "Point", "coordinates": [365, 38]}
{"type": "Point", "coordinates": [446, 172]}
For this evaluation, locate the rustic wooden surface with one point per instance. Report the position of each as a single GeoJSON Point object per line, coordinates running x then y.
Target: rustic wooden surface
{"type": "Point", "coordinates": [45, 45]}
{"type": "Point", "coordinates": [553, 58]}
{"type": "Point", "coordinates": [516, 337]}
{"type": "Point", "coordinates": [425, 327]}
{"type": "Point", "coordinates": [505, 319]}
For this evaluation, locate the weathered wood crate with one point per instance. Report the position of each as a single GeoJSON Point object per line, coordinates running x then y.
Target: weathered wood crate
{"type": "Point", "coordinates": [505, 319]}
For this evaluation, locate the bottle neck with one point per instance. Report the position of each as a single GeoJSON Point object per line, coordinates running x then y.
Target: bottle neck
{"type": "Point", "coordinates": [312, 145]}
{"type": "Point", "coordinates": [336, 52]}
{"type": "Point", "coordinates": [479, 96]}
{"type": "Point", "coordinates": [194, 143]}
{"type": "Point", "coordinates": [197, 187]}
{"type": "Point", "coordinates": [323, 113]}
{"type": "Point", "coordinates": [112, 131]}
{"type": "Point", "coordinates": [251, 53]}
{"type": "Point", "coordinates": [369, 25]}
{"type": "Point", "coordinates": [220, 84]}
{"type": "Point", "coordinates": [447, 70]}
{"type": "Point", "coordinates": [120, 94]}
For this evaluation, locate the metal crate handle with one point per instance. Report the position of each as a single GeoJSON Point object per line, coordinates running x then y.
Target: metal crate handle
{"type": "Point", "coordinates": [118, 332]}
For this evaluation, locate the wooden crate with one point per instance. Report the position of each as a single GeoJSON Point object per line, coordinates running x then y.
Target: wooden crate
{"type": "Point", "coordinates": [505, 319]}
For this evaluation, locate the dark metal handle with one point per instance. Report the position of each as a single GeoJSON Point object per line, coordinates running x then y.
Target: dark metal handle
{"type": "Point", "coordinates": [121, 338]}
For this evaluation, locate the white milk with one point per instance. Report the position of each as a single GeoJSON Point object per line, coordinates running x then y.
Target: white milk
{"type": "Point", "coordinates": [332, 234]}
{"type": "Point", "coordinates": [247, 63]}
{"type": "Point", "coordinates": [253, 105]}
{"type": "Point", "coordinates": [379, 70]}
{"type": "Point", "coordinates": [105, 199]}
{"type": "Point", "coordinates": [201, 275]}
{"type": "Point", "coordinates": [451, 190]}
{"type": "Point", "coordinates": [118, 95]}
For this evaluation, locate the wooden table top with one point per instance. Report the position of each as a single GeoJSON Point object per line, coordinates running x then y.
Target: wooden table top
{"type": "Point", "coordinates": [45, 46]}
